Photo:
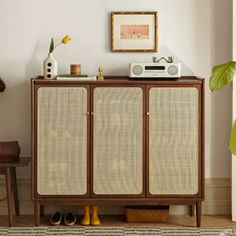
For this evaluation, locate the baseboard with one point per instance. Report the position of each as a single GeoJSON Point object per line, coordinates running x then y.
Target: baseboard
{"type": "Point", "coordinates": [217, 200]}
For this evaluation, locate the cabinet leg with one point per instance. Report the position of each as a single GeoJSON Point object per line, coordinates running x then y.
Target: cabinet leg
{"type": "Point", "coordinates": [36, 213]}
{"type": "Point", "coordinates": [192, 209]}
{"type": "Point", "coordinates": [41, 211]}
{"type": "Point", "coordinates": [9, 195]}
{"type": "Point", "coordinates": [199, 213]}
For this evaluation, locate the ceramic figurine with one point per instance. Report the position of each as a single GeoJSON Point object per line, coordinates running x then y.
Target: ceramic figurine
{"type": "Point", "coordinates": [100, 75]}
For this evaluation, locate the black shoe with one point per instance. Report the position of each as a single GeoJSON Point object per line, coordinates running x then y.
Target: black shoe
{"type": "Point", "coordinates": [55, 219]}
{"type": "Point", "coordinates": [69, 219]}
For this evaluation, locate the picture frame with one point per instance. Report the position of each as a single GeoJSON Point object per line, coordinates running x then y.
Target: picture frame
{"type": "Point", "coordinates": [134, 31]}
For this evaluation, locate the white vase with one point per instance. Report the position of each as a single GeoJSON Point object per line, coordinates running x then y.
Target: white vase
{"type": "Point", "coordinates": [50, 67]}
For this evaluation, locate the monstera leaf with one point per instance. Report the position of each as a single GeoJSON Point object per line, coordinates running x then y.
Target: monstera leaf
{"type": "Point", "coordinates": [232, 145]}
{"type": "Point", "coordinates": [222, 75]}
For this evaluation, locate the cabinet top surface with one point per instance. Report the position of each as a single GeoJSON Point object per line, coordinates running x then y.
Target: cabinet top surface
{"type": "Point", "coordinates": [121, 80]}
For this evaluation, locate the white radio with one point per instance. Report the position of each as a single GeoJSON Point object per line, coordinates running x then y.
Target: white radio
{"type": "Point", "coordinates": [154, 70]}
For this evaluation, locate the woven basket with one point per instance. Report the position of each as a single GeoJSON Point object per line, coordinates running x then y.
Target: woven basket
{"type": "Point", "coordinates": [143, 214]}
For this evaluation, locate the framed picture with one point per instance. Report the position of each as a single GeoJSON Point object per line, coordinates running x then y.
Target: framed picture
{"type": "Point", "coordinates": [134, 31]}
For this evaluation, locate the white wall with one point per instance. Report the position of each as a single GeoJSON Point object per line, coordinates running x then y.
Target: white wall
{"type": "Point", "coordinates": [196, 32]}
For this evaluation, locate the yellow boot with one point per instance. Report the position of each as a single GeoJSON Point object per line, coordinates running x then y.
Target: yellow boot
{"type": "Point", "coordinates": [95, 219]}
{"type": "Point", "coordinates": [86, 218]}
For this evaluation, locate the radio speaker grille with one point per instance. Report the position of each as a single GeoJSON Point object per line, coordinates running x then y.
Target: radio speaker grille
{"type": "Point", "coordinates": [62, 141]}
{"type": "Point", "coordinates": [118, 140]}
{"type": "Point", "coordinates": [137, 70]}
{"type": "Point", "coordinates": [173, 141]}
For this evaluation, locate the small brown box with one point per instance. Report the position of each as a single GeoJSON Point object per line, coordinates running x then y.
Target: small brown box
{"type": "Point", "coordinates": [75, 69]}
{"type": "Point", "coordinates": [9, 151]}
{"type": "Point", "coordinates": [147, 214]}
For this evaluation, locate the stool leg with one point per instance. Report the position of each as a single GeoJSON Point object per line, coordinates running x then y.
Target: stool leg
{"type": "Point", "coordinates": [15, 191]}
{"type": "Point", "coordinates": [9, 195]}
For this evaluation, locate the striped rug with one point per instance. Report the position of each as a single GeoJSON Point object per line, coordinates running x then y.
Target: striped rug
{"type": "Point", "coordinates": [115, 231]}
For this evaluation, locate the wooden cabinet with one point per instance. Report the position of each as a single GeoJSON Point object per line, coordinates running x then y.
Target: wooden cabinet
{"type": "Point", "coordinates": [117, 142]}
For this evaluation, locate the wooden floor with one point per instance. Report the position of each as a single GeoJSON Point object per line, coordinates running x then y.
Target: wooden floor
{"type": "Point", "coordinates": [174, 221]}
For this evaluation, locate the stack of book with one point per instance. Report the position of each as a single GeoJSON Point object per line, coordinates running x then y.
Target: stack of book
{"type": "Point", "coordinates": [76, 77]}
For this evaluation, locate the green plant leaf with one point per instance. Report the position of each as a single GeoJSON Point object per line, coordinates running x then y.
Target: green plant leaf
{"type": "Point", "coordinates": [222, 75]}
{"type": "Point", "coordinates": [232, 145]}
{"type": "Point", "coordinates": [51, 46]}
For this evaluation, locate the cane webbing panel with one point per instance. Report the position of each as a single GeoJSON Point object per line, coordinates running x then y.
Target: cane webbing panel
{"type": "Point", "coordinates": [62, 141]}
{"type": "Point", "coordinates": [118, 140]}
{"type": "Point", "coordinates": [173, 141]}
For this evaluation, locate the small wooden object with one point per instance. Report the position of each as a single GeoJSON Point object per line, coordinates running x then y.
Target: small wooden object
{"type": "Point", "coordinates": [75, 69]}
{"type": "Point", "coordinates": [147, 214]}
{"type": "Point", "coordinates": [9, 151]}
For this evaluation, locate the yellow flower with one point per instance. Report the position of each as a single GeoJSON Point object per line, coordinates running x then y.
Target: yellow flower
{"type": "Point", "coordinates": [66, 39]}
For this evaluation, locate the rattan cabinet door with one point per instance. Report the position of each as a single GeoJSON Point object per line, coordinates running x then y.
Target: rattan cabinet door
{"type": "Point", "coordinates": [173, 140]}
{"type": "Point", "coordinates": [118, 141]}
{"type": "Point", "coordinates": [62, 141]}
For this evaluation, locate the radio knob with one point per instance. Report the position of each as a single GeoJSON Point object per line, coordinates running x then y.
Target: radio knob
{"type": "Point", "coordinates": [137, 70]}
{"type": "Point", "coordinates": [173, 70]}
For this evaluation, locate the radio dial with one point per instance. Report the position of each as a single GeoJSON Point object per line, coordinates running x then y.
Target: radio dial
{"type": "Point", "coordinates": [173, 70]}
{"type": "Point", "coordinates": [137, 70]}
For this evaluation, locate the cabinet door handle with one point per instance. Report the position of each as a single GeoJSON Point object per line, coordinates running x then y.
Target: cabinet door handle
{"type": "Point", "coordinates": [148, 113]}
{"type": "Point", "coordinates": [86, 113]}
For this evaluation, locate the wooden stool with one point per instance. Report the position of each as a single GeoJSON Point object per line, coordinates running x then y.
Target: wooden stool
{"type": "Point", "coordinates": [9, 170]}
{"type": "Point", "coordinates": [3, 171]}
